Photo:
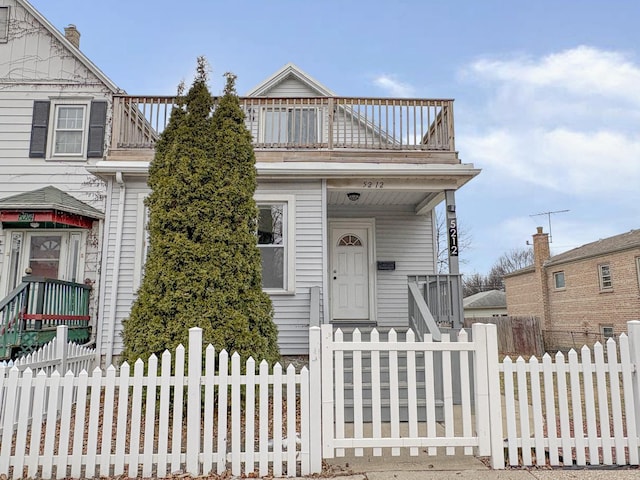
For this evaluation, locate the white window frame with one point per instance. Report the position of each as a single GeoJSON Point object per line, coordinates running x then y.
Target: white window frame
{"type": "Point", "coordinates": [556, 276]}
{"type": "Point", "coordinates": [56, 104]}
{"type": "Point", "coordinates": [602, 277]}
{"type": "Point", "coordinates": [289, 212]}
{"type": "Point", "coordinates": [142, 241]}
{"type": "Point", "coordinates": [4, 29]}
{"type": "Point", "coordinates": [288, 109]}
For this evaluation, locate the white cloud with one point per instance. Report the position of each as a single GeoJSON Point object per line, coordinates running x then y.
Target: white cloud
{"type": "Point", "coordinates": [566, 121]}
{"type": "Point", "coordinates": [393, 86]}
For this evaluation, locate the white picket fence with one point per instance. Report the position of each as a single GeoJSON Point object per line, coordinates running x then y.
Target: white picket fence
{"type": "Point", "coordinates": [163, 419]}
{"type": "Point", "coordinates": [153, 424]}
{"type": "Point", "coordinates": [582, 411]}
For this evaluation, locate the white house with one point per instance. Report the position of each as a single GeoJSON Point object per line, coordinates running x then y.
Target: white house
{"type": "Point", "coordinates": [55, 109]}
{"type": "Point", "coordinates": [346, 190]}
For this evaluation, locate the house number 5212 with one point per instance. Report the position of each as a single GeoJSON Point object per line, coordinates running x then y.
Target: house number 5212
{"type": "Point", "coordinates": [372, 184]}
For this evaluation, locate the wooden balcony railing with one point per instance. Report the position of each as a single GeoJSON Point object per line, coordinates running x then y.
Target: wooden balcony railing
{"type": "Point", "coordinates": [306, 123]}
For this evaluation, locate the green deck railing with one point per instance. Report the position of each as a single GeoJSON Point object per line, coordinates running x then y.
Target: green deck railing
{"type": "Point", "coordinates": [30, 314]}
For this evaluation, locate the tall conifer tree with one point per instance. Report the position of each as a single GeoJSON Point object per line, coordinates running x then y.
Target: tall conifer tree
{"type": "Point", "coordinates": [203, 266]}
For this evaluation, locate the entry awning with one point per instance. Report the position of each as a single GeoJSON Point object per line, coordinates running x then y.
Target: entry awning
{"type": "Point", "coordinates": [47, 207]}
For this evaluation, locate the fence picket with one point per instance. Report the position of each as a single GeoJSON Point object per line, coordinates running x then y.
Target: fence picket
{"type": "Point", "coordinates": [536, 400]}
{"type": "Point", "coordinates": [357, 393]}
{"type": "Point", "coordinates": [107, 421]}
{"type": "Point", "coordinates": [447, 379]}
{"type": "Point", "coordinates": [465, 391]}
{"type": "Point", "coordinates": [616, 406]}
{"type": "Point", "coordinates": [291, 421]}
{"type": "Point", "coordinates": [178, 398]}
{"type": "Point", "coordinates": [376, 404]}
{"type": "Point", "coordinates": [11, 404]}
{"type": "Point", "coordinates": [430, 401]}
{"type": "Point", "coordinates": [223, 383]}
{"type": "Point", "coordinates": [163, 417]}
{"type": "Point", "coordinates": [150, 416]}
{"type": "Point", "coordinates": [264, 418]}
{"type": "Point", "coordinates": [412, 395]}
{"type": "Point", "coordinates": [194, 402]}
{"type": "Point", "coordinates": [50, 427]}
{"type": "Point", "coordinates": [576, 408]}
{"type": "Point", "coordinates": [249, 417]}
{"type": "Point", "coordinates": [65, 425]}
{"type": "Point", "coordinates": [209, 409]}
{"type": "Point", "coordinates": [394, 391]}
{"type": "Point", "coordinates": [79, 424]}
{"type": "Point", "coordinates": [236, 467]}
{"type": "Point", "coordinates": [123, 406]}
{"type": "Point", "coordinates": [136, 416]}
{"type": "Point", "coordinates": [277, 420]}
{"type": "Point", "coordinates": [305, 420]}
{"type": "Point", "coordinates": [23, 419]}
{"type": "Point", "coordinates": [563, 409]}
{"type": "Point", "coordinates": [510, 408]}
{"type": "Point", "coordinates": [523, 409]}
{"type": "Point", "coordinates": [338, 391]}
{"type": "Point", "coordinates": [603, 404]}
{"type": "Point", "coordinates": [589, 405]}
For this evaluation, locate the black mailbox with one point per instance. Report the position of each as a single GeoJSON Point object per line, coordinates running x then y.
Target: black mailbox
{"type": "Point", "coordinates": [386, 265]}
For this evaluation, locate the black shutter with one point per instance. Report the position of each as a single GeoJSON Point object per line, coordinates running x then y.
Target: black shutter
{"type": "Point", "coordinates": [97, 121]}
{"type": "Point", "coordinates": [39, 127]}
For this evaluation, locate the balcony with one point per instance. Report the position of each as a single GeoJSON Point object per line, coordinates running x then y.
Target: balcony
{"type": "Point", "coordinates": [318, 128]}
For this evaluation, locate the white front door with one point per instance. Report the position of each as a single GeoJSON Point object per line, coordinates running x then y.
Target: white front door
{"type": "Point", "coordinates": [349, 275]}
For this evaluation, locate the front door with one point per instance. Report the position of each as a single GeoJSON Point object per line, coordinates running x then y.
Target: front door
{"type": "Point", "coordinates": [49, 254]}
{"type": "Point", "coordinates": [349, 275]}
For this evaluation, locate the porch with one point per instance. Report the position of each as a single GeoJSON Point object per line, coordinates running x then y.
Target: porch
{"type": "Point", "coordinates": [31, 312]}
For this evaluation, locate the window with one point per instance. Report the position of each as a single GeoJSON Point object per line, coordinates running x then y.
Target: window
{"type": "Point", "coordinates": [607, 332]}
{"type": "Point", "coordinates": [558, 278]}
{"type": "Point", "coordinates": [276, 242]}
{"type": "Point", "coordinates": [638, 269]}
{"type": "Point", "coordinates": [606, 282]}
{"type": "Point", "coordinates": [68, 128]}
{"type": "Point", "coordinates": [291, 125]}
{"type": "Point", "coordinates": [4, 24]}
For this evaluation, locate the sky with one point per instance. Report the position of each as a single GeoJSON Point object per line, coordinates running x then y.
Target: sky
{"type": "Point", "coordinates": [547, 92]}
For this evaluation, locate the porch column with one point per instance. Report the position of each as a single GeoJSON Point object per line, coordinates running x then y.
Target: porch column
{"type": "Point", "coordinates": [454, 264]}
{"type": "Point", "coordinates": [452, 231]}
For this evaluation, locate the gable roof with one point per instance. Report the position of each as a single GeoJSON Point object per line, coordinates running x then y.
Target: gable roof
{"type": "Point", "coordinates": [290, 70]}
{"type": "Point", "coordinates": [488, 299]}
{"type": "Point", "coordinates": [603, 246]}
{"type": "Point", "coordinates": [50, 198]}
{"type": "Point", "coordinates": [69, 46]}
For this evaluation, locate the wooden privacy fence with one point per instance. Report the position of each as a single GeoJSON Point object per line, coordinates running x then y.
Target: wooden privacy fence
{"type": "Point", "coordinates": [516, 335]}
{"type": "Point", "coordinates": [155, 423]}
{"type": "Point", "coordinates": [582, 411]}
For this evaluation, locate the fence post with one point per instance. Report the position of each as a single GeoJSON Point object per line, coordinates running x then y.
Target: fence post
{"type": "Point", "coordinates": [315, 400]}
{"type": "Point", "coordinates": [194, 407]}
{"type": "Point", "coordinates": [62, 335]}
{"type": "Point", "coordinates": [483, 424]}
{"type": "Point", "coordinates": [327, 391]}
{"type": "Point", "coordinates": [495, 400]}
{"type": "Point", "coordinates": [633, 329]}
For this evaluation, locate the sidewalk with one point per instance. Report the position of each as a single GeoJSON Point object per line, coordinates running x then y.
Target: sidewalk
{"type": "Point", "coordinates": [426, 467]}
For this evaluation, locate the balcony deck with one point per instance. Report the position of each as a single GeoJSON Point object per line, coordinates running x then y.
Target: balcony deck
{"type": "Point", "coordinates": [324, 129]}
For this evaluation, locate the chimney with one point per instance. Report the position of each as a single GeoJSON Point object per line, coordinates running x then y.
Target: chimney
{"type": "Point", "coordinates": [541, 251]}
{"type": "Point", "coordinates": [72, 34]}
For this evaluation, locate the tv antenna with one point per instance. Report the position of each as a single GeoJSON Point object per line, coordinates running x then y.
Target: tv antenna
{"type": "Point", "coordinates": [548, 214]}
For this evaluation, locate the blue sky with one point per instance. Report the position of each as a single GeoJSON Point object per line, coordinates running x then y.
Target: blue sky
{"type": "Point", "coordinates": [547, 92]}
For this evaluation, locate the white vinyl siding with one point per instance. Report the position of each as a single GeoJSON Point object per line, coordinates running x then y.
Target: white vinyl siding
{"type": "Point", "coordinates": [405, 238]}
{"type": "Point", "coordinates": [291, 312]}
{"type": "Point", "coordinates": [291, 87]}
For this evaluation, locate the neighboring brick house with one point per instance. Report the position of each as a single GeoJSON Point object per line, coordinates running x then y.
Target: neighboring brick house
{"type": "Point", "coordinates": [587, 293]}
{"type": "Point", "coordinates": [492, 303]}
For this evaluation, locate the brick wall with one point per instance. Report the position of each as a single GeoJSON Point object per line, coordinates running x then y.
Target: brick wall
{"type": "Point", "coordinates": [523, 295]}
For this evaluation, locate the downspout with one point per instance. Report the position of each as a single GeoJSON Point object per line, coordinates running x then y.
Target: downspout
{"type": "Point", "coordinates": [116, 269]}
